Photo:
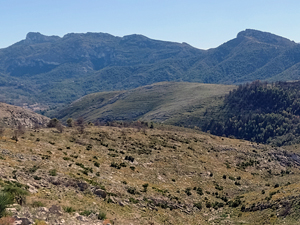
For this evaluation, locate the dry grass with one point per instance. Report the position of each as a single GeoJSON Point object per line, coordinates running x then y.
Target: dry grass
{"type": "Point", "coordinates": [169, 159]}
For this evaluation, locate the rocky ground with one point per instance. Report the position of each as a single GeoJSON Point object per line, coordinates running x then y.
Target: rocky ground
{"type": "Point", "coordinates": [12, 116]}
{"type": "Point", "coordinates": [135, 175]}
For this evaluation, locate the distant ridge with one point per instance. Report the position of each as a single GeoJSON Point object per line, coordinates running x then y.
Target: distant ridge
{"type": "Point", "coordinates": [52, 70]}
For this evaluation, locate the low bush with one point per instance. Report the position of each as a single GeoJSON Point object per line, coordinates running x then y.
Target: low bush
{"type": "Point", "coordinates": [53, 172]}
{"type": "Point", "coordinates": [101, 215]}
{"type": "Point", "coordinates": [69, 209]}
{"type": "Point", "coordinates": [37, 204]}
{"type": "Point", "coordinates": [5, 201]}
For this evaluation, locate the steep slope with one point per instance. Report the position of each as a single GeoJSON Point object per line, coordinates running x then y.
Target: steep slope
{"type": "Point", "coordinates": [12, 116]}
{"type": "Point", "coordinates": [160, 102]}
{"type": "Point", "coordinates": [50, 70]}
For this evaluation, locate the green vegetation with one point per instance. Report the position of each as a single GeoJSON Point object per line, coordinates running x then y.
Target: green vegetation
{"type": "Point", "coordinates": [101, 215]}
{"type": "Point", "coordinates": [5, 201]}
{"type": "Point", "coordinates": [53, 172]}
{"type": "Point", "coordinates": [169, 102]}
{"type": "Point", "coordinates": [259, 112]}
{"type": "Point", "coordinates": [140, 61]}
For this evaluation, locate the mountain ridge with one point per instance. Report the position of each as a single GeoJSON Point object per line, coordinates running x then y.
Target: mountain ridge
{"type": "Point", "coordinates": [52, 70]}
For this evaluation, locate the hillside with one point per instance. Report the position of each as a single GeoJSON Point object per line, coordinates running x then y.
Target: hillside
{"type": "Point", "coordinates": [13, 116]}
{"type": "Point", "coordinates": [160, 102]}
{"type": "Point", "coordinates": [51, 70]}
{"type": "Point", "coordinates": [260, 112]}
{"type": "Point", "coordinates": [137, 175]}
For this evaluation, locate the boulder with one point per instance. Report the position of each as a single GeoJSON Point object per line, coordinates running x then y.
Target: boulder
{"type": "Point", "coordinates": [100, 193]}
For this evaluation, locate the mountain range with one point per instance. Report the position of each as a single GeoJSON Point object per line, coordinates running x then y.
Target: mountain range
{"type": "Point", "coordinates": [43, 71]}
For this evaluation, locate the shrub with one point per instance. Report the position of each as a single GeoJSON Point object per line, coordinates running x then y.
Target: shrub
{"type": "Point", "coordinates": [18, 193]}
{"type": "Point", "coordinates": [53, 122]}
{"type": "Point", "coordinates": [132, 168]}
{"type": "Point", "coordinates": [101, 215]}
{"type": "Point", "coordinates": [199, 191]}
{"type": "Point", "coordinates": [96, 164]}
{"type": "Point", "coordinates": [198, 205]}
{"type": "Point", "coordinates": [5, 201]}
{"type": "Point", "coordinates": [115, 165]}
{"type": "Point", "coordinates": [234, 203]}
{"type": "Point", "coordinates": [37, 204]}
{"type": "Point", "coordinates": [70, 122]}
{"type": "Point", "coordinates": [145, 186]}
{"type": "Point", "coordinates": [69, 209]}
{"type": "Point", "coordinates": [33, 169]}
{"type": "Point", "coordinates": [217, 205]}
{"type": "Point", "coordinates": [224, 176]}
{"type": "Point", "coordinates": [220, 188]}
{"type": "Point", "coordinates": [208, 204]}
{"type": "Point", "coordinates": [231, 178]}
{"type": "Point", "coordinates": [86, 212]}
{"type": "Point", "coordinates": [89, 147]}
{"type": "Point", "coordinates": [188, 191]}
{"type": "Point", "coordinates": [123, 164]}
{"type": "Point", "coordinates": [131, 190]}
{"type": "Point", "coordinates": [53, 172]}
{"type": "Point", "coordinates": [80, 125]}
{"type": "Point", "coordinates": [133, 200]}
{"type": "Point", "coordinates": [129, 158]}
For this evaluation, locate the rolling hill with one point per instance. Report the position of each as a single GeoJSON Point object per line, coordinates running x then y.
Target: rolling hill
{"type": "Point", "coordinates": [51, 70]}
{"type": "Point", "coordinates": [167, 102]}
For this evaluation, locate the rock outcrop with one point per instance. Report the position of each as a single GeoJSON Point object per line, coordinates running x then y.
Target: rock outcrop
{"type": "Point", "coordinates": [12, 116]}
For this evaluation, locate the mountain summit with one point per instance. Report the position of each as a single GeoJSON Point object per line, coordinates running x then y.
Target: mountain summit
{"type": "Point", "coordinates": [265, 37]}
{"type": "Point", "coordinates": [36, 37]}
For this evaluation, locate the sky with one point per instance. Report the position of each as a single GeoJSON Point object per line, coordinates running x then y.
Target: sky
{"type": "Point", "coordinates": [203, 24]}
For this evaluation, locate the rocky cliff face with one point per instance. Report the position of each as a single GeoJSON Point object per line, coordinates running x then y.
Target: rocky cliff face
{"type": "Point", "coordinates": [12, 116]}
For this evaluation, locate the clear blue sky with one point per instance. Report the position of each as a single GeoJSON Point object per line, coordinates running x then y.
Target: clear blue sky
{"type": "Point", "coordinates": [201, 23]}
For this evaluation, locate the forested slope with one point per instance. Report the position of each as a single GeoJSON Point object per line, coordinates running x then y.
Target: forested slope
{"type": "Point", "coordinates": [261, 112]}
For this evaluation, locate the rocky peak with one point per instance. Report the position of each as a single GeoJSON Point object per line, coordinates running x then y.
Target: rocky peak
{"type": "Point", "coordinates": [36, 37]}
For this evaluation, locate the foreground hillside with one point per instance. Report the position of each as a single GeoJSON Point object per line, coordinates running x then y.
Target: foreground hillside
{"type": "Point", "coordinates": [137, 175]}
{"type": "Point", "coordinates": [52, 70]}
{"type": "Point", "coordinates": [167, 102]}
